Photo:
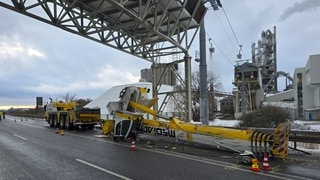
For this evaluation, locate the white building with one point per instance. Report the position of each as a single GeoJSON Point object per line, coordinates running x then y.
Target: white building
{"type": "Point", "coordinates": [307, 89]}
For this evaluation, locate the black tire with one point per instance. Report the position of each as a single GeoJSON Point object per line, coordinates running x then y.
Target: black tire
{"type": "Point", "coordinates": [51, 120]}
{"type": "Point", "coordinates": [55, 122]}
{"type": "Point", "coordinates": [90, 126]}
{"type": "Point", "coordinates": [67, 123]}
{"type": "Point", "coordinates": [62, 122]}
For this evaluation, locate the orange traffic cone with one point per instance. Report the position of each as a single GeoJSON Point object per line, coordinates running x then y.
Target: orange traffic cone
{"type": "Point", "coordinates": [133, 146]}
{"type": "Point", "coordinates": [62, 132]}
{"type": "Point", "coordinates": [255, 165]}
{"type": "Point", "coordinates": [265, 165]}
{"type": "Point", "coordinates": [57, 131]}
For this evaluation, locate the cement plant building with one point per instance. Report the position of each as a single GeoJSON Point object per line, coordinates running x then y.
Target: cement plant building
{"type": "Point", "coordinates": [307, 89]}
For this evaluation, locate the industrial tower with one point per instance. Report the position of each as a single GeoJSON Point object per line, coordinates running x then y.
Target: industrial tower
{"type": "Point", "coordinates": [253, 79]}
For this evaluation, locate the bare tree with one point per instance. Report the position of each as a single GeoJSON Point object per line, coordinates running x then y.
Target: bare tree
{"type": "Point", "coordinates": [83, 102]}
{"type": "Point", "coordinates": [213, 83]}
{"type": "Point", "coordinates": [68, 97]}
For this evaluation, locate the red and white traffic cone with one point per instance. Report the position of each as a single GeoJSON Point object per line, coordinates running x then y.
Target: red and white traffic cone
{"type": "Point", "coordinates": [265, 164]}
{"type": "Point", "coordinates": [133, 146]}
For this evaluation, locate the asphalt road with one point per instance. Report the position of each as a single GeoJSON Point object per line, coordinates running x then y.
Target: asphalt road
{"type": "Point", "coordinates": [31, 150]}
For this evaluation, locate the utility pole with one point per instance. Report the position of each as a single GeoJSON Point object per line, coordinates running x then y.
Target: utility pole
{"type": "Point", "coordinates": [204, 113]}
{"type": "Point", "coordinates": [204, 110]}
{"type": "Point", "coordinates": [187, 60]}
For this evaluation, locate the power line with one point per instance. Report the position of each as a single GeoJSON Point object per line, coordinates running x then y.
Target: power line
{"type": "Point", "coordinates": [225, 31]}
{"type": "Point", "coordinates": [234, 34]}
{"type": "Point", "coordinates": [227, 34]}
{"type": "Point", "coordinates": [216, 45]}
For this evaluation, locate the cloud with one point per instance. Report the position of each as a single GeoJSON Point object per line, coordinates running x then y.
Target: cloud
{"type": "Point", "coordinates": [17, 50]}
{"type": "Point", "coordinates": [49, 88]}
{"type": "Point", "coordinates": [9, 50]}
{"type": "Point", "coordinates": [34, 53]}
{"type": "Point", "coordinates": [304, 6]}
{"type": "Point", "coordinates": [17, 55]}
{"type": "Point", "coordinates": [106, 77]}
{"type": "Point", "coordinates": [116, 76]}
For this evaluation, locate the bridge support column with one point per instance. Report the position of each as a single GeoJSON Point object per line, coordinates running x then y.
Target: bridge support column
{"type": "Point", "coordinates": [187, 60]}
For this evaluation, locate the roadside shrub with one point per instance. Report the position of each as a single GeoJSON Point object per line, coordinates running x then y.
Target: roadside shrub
{"type": "Point", "coordinates": [266, 117]}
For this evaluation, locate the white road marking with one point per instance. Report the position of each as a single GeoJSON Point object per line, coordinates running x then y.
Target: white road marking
{"type": "Point", "coordinates": [100, 135]}
{"type": "Point", "coordinates": [20, 137]}
{"type": "Point", "coordinates": [104, 170]}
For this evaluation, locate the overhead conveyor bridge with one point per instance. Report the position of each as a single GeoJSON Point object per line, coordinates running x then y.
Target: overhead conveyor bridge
{"type": "Point", "coordinates": [144, 28]}
{"type": "Point", "coordinates": [153, 30]}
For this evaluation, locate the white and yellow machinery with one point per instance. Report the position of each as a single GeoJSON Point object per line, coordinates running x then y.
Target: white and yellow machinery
{"type": "Point", "coordinates": [128, 121]}
{"type": "Point", "coordinates": [68, 115]}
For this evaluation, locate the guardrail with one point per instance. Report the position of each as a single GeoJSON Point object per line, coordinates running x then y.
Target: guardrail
{"type": "Point", "coordinates": [304, 136]}
{"type": "Point", "coordinates": [297, 135]}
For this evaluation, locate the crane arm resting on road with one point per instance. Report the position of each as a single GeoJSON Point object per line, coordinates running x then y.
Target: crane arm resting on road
{"type": "Point", "coordinates": [129, 119]}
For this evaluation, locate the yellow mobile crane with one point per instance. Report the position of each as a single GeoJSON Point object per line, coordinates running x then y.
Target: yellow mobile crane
{"type": "Point", "coordinates": [128, 120]}
{"type": "Point", "coordinates": [68, 115]}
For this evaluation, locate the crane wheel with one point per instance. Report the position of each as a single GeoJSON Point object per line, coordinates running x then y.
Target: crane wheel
{"type": "Point", "coordinates": [67, 123]}
{"type": "Point", "coordinates": [55, 122]}
{"type": "Point", "coordinates": [62, 122]}
{"type": "Point", "coordinates": [51, 121]}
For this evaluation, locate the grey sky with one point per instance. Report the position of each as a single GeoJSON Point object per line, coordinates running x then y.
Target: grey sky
{"type": "Point", "coordinates": [37, 59]}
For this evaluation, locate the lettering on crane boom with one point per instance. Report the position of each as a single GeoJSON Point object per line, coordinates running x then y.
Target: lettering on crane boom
{"type": "Point", "coordinates": [160, 131]}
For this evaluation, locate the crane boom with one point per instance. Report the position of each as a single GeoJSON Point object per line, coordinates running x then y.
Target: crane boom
{"type": "Point", "coordinates": [134, 105]}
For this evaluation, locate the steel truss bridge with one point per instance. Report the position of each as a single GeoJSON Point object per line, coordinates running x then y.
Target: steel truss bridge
{"type": "Point", "coordinates": [149, 29]}
{"type": "Point", "coordinates": [144, 28]}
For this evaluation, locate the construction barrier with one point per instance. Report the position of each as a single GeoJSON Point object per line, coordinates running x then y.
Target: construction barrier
{"type": "Point", "coordinates": [280, 141]}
